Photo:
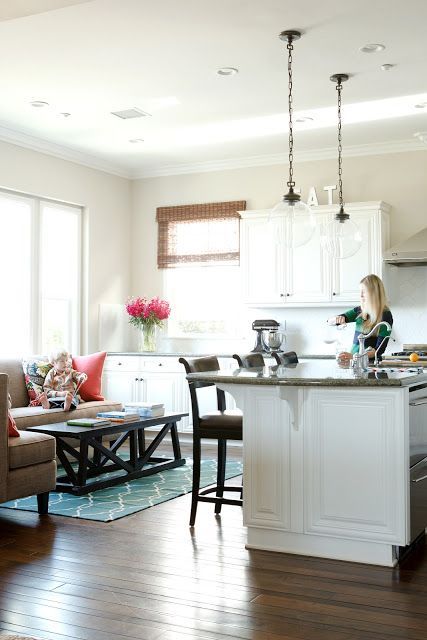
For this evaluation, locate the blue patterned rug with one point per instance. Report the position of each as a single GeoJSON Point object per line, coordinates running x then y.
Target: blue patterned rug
{"type": "Point", "coordinates": [122, 500]}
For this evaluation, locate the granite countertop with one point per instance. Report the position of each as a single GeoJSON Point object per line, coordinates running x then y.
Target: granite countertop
{"type": "Point", "coordinates": [178, 354]}
{"type": "Point", "coordinates": [314, 373]}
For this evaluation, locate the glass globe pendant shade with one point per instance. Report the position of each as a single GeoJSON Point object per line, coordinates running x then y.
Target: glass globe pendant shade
{"type": "Point", "coordinates": [299, 222]}
{"type": "Point", "coordinates": [341, 239]}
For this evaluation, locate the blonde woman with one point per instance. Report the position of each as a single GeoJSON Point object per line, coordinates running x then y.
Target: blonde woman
{"type": "Point", "coordinates": [373, 308]}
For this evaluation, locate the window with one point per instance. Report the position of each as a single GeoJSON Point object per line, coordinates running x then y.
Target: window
{"type": "Point", "coordinates": [199, 250]}
{"type": "Point", "coordinates": [40, 285]}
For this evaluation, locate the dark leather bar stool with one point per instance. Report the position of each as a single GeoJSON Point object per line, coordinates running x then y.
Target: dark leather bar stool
{"type": "Point", "coordinates": [285, 358]}
{"type": "Point", "coordinates": [220, 425]}
{"type": "Point", "coordinates": [250, 360]}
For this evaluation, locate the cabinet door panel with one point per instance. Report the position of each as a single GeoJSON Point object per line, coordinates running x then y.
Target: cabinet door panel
{"type": "Point", "coordinates": [309, 277]}
{"type": "Point", "coordinates": [349, 271]}
{"type": "Point", "coordinates": [267, 430]}
{"type": "Point", "coordinates": [261, 261]}
{"type": "Point", "coordinates": [355, 466]}
{"type": "Point", "coordinates": [121, 386]}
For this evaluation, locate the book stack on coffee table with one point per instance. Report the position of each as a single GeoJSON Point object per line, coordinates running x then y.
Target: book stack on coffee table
{"type": "Point", "coordinates": [119, 416]}
{"type": "Point", "coordinates": [146, 409]}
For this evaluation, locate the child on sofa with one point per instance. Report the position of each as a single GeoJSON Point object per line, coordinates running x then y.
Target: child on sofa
{"type": "Point", "coordinates": [61, 383]}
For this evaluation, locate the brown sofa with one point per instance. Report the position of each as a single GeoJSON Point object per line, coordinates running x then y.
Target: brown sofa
{"type": "Point", "coordinates": [26, 416]}
{"type": "Point", "coordinates": [27, 463]}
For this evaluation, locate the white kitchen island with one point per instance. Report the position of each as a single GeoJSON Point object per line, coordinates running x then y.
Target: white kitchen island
{"type": "Point", "coordinates": [327, 458]}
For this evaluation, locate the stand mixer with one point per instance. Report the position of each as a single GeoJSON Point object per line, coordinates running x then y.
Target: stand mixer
{"type": "Point", "coordinates": [268, 337]}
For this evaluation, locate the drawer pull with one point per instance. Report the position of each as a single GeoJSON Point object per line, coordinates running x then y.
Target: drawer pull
{"type": "Point", "coordinates": [416, 403]}
{"type": "Point", "coordinates": [119, 364]}
{"type": "Point", "coordinates": [420, 479]}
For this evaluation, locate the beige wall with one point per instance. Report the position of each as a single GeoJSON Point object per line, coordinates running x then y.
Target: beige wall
{"type": "Point", "coordinates": [399, 179]}
{"type": "Point", "coordinates": [107, 202]}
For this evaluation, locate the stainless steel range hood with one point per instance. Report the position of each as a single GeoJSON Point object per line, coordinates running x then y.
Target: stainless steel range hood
{"type": "Point", "coordinates": [410, 253]}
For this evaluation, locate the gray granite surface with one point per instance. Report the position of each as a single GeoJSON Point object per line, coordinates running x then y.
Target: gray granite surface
{"type": "Point", "coordinates": [160, 354]}
{"type": "Point", "coordinates": [316, 373]}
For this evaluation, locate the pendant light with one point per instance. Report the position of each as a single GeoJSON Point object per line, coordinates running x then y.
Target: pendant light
{"type": "Point", "coordinates": [298, 217]}
{"type": "Point", "coordinates": [341, 237]}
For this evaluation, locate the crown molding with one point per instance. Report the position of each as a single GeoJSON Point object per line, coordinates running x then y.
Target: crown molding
{"type": "Point", "coordinates": [28, 141]}
{"type": "Point", "coordinates": [327, 153]}
{"type": "Point", "coordinates": [40, 145]}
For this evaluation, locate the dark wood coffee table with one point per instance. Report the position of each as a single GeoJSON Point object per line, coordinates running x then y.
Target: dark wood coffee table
{"type": "Point", "coordinates": [141, 461]}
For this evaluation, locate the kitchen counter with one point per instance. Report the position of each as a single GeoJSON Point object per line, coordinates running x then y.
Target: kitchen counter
{"type": "Point", "coordinates": [307, 372]}
{"type": "Point", "coordinates": [326, 458]}
{"type": "Point", "coordinates": [187, 354]}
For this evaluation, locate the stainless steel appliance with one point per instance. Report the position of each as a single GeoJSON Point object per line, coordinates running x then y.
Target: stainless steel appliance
{"type": "Point", "coordinates": [418, 460]}
{"type": "Point", "coordinates": [419, 349]}
{"type": "Point", "coordinates": [268, 337]}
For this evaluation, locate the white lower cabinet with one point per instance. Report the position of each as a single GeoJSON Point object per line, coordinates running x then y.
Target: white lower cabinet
{"type": "Point", "coordinates": [354, 467]}
{"type": "Point", "coordinates": [124, 386]}
{"type": "Point", "coordinates": [148, 379]}
{"type": "Point", "coordinates": [139, 378]}
{"type": "Point", "coordinates": [326, 470]}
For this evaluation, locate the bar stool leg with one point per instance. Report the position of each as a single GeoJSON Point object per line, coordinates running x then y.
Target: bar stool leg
{"type": "Point", "coordinates": [196, 478]}
{"type": "Point", "coordinates": [220, 479]}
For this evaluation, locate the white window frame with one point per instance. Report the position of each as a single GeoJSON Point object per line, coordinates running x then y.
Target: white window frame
{"type": "Point", "coordinates": [36, 203]}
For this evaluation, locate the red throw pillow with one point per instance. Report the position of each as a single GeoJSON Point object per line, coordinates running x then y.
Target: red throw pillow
{"type": "Point", "coordinates": [13, 431]}
{"type": "Point", "coordinates": [92, 365]}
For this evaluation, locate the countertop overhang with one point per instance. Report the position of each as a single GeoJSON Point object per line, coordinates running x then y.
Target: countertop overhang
{"type": "Point", "coordinates": [324, 373]}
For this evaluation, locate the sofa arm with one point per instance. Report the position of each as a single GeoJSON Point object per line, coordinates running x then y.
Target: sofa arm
{"type": "Point", "coordinates": [4, 466]}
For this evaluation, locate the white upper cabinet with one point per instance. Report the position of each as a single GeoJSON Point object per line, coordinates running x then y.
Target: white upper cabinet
{"type": "Point", "coordinates": [275, 275]}
{"type": "Point", "coordinates": [373, 223]}
{"type": "Point", "coordinates": [261, 258]}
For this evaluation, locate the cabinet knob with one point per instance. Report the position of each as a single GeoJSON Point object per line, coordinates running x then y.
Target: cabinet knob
{"type": "Point", "coordinates": [136, 379]}
{"type": "Point", "coordinates": [160, 364]}
{"type": "Point", "coordinates": [141, 379]}
{"type": "Point", "coordinates": [333, 293]}
{"type": "Point", "coordinates": [119, 364]}
{"type": "Point", "coordinates": [282, 295]}
{"type": "Point", "coordinates": [288, 294]}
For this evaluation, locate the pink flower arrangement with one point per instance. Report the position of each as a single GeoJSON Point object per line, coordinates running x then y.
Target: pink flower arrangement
{"type": "Point", "coordinates": [145, 312]}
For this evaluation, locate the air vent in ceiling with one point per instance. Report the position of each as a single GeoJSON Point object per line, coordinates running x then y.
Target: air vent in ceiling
{"type": "Point", "coordinates": [126, 114]}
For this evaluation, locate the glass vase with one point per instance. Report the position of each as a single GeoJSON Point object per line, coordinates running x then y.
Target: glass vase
{"type": "Point", "coordinates": [148, 338]}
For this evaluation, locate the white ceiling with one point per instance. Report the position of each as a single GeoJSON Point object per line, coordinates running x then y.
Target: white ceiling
{"type": "Point", "coordinates": [89, 58]}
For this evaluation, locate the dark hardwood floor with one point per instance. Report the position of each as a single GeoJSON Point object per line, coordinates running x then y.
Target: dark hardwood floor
{"type": "Point", "coordinates": [150, 577]}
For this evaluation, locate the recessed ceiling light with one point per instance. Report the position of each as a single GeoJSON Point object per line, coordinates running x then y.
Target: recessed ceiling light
{"type": "Point", "coordinates": [227, 71]}
{"type": "Point", "coordinates": [372, 48]}
{"type": "Point", "coordinates": [136, 140]}
{"type": "Point", "coordinates": [39, 103]}
{"type": "Point", "coordinates": [387, 67]}
{"type": "Point", "coordinates": [420, 105]}
{"type": "Point", "coordinates": [421, 135]}
{"type": "Point", "coordinates": [304, 119]}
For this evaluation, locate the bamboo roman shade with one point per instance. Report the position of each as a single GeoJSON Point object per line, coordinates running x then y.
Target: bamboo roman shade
{"type": "Point", "coordinates": [199, 233]}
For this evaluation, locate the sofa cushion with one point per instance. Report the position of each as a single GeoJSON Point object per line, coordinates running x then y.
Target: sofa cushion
{"type": "Point", "coordinates": [17, 388]}
{"type": "Point", "coordinates": [11, 426]}
{"type": "Point", "coordinates": [34, 416]}
{"type": "Point", "coordinates": [30, 449]}
{"type": "Point", "coordinates": [35, 372]}
{"type": "Point", "coordinates": [92, 365]}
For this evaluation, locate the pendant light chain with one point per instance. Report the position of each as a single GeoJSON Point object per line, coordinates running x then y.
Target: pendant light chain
{"type": "Point", "coordinates": [290, 48]}
{"type": "Point", "coordinates": [339, 88]}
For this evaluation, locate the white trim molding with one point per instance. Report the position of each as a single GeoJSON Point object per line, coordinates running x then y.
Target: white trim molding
{"type": "Point", "coordinates": [40, 145]}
